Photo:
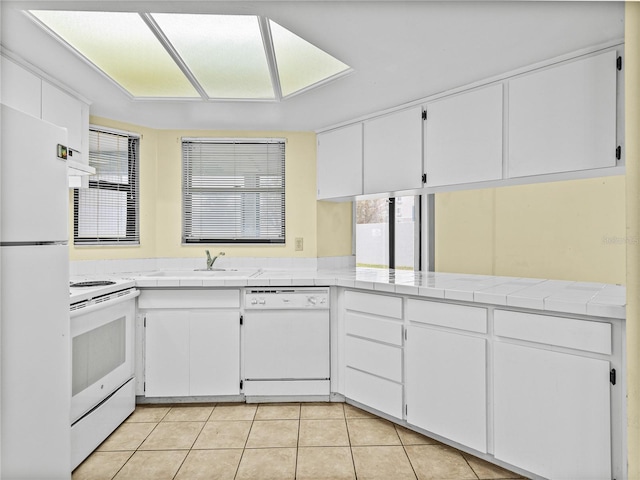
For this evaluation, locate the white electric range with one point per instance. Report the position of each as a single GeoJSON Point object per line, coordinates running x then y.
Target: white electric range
{"type": "Point", "coordinates": [102, 313]}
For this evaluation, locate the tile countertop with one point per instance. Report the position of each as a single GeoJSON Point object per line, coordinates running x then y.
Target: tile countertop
{"type": "Point", "coordinates": [583, 298]}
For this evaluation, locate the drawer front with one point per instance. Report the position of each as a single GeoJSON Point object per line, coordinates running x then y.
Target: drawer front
{"type": "Point", "coordinates": [375, 392]}
{"type": "Point", "coordinates": [472, 319]}
{"type": "Point", "coordinates": [382, 305]}
{"type": "Point", "coordinates": [560, 331]}
{"type": "Point", "coordinates": [382, 360]}
{"type": "Point", "coordinates": [374, 328]}
{"type": "Point", "coordinates": [189, 298]}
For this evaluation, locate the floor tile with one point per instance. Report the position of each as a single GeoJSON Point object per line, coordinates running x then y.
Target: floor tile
{"type": "Point", "coordinates": [128, 436]}
{"type": "Point", "coordinates": [172, 436]}
{"type": "Point", "coordinates": [325, 463]}
{"type": "Point", "coordinates": [278, 412]}
{"type": "Point", "coordinates": [439, 462]}
{"type": "Point", "coordinates": [488, 471]}
{"type": "Point", "coordinates": [152, 465]}
{"type": "Point", "coordinates": [223, 434]}
{"type": "Point", "coordinates": [199, 413]}
{"type": "Point", "coordinates": [323, 433]}
{"type": "Point", "coordinates": [354, 412]}
{"type": "Point", "coordinates": [273, 433]}
{"type": "Point", "coordinates": [382, 463]}
{"type": "Point", "coordinates": [372, 431]}
{"type": "Point", "coordinates": [267, 464]}
{"type": "Point", "coordinates": [240, 411]}
{"type": "Point", "coordinates": [101, 466]}
{"type": "Point", "coordinates": [210, 465]}
{"type": "Point", "coordinates": [321, 410]}
{"type": "Point", "coordinates": [409, 437]}
{"type": "Point", "coordinates": [148, 413]}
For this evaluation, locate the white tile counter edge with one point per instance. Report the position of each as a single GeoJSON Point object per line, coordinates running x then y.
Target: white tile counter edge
{"type": "Point", "coordinates": [583, 298]}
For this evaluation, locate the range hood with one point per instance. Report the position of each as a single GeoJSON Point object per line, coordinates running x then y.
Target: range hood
{"type": "Point", "coordinates": [78, 172]}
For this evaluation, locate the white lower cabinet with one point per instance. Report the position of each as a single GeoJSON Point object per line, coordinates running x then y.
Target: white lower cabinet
{"type": "Point", "coordinates": [552, 409]}
{"type": "Point", "coordinates": [192, 353]}
{"type": "Point", "coordinates": [191, 342]}
{"type": "Point", "coordinates": [446, 385]}
{"type": "Point", "coordinates": [552, 412]}
{"type": "Point", "coordinates": [373, 351]}
{"type": "Point", "coordinates": [446, 371]}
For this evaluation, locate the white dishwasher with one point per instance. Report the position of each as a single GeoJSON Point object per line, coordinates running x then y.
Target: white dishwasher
{"type": "Point", "coordinates": [286, 343]}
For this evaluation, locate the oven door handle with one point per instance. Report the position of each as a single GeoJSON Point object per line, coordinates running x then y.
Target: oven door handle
{"type": "Point", "coordinates": [100, 306]}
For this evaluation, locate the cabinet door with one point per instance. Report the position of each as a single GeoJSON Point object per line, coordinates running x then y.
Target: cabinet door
{"type": "Point", "coordinates": [65, 111]}
{"type": "Point", "coordinates": [214, 353]}
{"type": "Point", "coordinates": [446, 385]}
{"type": "Point", "coordinates": [463, 142]}
{"type": "Point", "coordinates": [340, 162]}
{"type": "Point", "coordinates": [393, 152]}
{"type": "Point", "coordinates": [564, 118]}
{"type": "Point", "coordinates": [21, 89]}
{"type": "Point", "coordinates": [552, 412]}
{"type": "Point", "coordinates": [167, 354]}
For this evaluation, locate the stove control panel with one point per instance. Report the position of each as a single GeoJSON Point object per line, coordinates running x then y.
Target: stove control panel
{"type": "Point", "coordinates": [285, 299]}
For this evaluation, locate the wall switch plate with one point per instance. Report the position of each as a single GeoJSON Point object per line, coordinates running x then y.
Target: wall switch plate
{"type": "Point", "coordinates": [299, 244]}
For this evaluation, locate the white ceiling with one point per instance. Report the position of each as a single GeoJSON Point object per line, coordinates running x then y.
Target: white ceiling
{"type": "Point", "coordinates": [400, 52]}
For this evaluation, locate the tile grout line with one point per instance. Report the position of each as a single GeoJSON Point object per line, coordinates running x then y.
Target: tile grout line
{"type": "Point", "coordinates": [244, 448]}
{"type": "Point", "coordinates": [353, 462]}
{"type": "Point", "coordinates": [194, 440]}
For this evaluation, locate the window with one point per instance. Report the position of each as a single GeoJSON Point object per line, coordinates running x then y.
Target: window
{"type": "Point", "coordinates": [388, 233]}
{"type": "Point", "coordinates": [107, 211]}
{"type": "Point", "coordinates": [233, 191]}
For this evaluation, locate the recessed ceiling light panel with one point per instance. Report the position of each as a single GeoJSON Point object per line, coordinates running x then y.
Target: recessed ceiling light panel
{"type": "Point", "coordinates": [122, 46]}
{"type": "Point", "coordinates": [163, 55]}
{"type": "Point", "coordinates": [224, 52]}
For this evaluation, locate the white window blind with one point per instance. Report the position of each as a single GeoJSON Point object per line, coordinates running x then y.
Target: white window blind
{"type": "Point", "coordinates": [233, 191]}
{"type": "Point", "coordinates": [107, 211]}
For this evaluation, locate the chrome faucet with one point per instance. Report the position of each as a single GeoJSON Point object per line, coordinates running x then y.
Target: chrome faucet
{"type": "Point", "coordinates": [211, 261]}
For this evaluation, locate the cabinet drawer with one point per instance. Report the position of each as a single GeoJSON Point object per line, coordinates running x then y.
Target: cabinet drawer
{"type": "Point", "coordinates": [374, 328]}
{"type": "Point", "coordinates": [560, 331]}
{"type": "Point", "coordinates": [473, 319]}
{"type": "Point", "coordinates": [375, 358]}
{"type": "Point", "coordinates": [375, 392]}
{"type": "Point", "coordinates": [381, 305]}
{"type": "Point", "coordinates": [189, 299]}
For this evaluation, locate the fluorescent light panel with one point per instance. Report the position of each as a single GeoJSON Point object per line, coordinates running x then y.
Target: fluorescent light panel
{"type": "Point", "coordinates": [122, 46]}
{"type": "Point", "coordinates": [225, 54]}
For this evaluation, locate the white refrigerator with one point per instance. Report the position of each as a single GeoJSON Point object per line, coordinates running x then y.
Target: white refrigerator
{"type": "Point", "coordinates": [35, 369]}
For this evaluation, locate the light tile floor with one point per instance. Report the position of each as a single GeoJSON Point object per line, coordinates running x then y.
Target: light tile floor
{"type": "Point", "coordinates": [317, 441]}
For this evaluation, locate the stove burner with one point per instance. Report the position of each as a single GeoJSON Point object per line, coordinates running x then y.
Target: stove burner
{"type": "Point", "coordinates": [93, 283]}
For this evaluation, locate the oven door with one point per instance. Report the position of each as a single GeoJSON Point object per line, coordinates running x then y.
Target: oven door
{"type": "Point", "coordinates": [102, 355]}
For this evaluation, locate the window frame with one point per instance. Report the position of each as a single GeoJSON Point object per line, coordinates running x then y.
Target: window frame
{"type": "Point", "coordinates": [423, 231]}
{"type": "Point", "coordinates": [132, 190]}
{"type": "Point", "coordinates": [190, 239]}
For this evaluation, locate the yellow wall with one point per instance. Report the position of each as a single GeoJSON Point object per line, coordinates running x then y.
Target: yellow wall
{"type": "Point", "coordinates": [160, 201]}
{"type": "Point", "coordinates": [572, 230]}
{"type": "Point", "coordinates": [335, 228]}
{"type": "Point", "coordinates": [632, 147]}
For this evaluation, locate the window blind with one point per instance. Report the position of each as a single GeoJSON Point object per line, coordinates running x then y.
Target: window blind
{"type": "Point", "coordinates": [107, 211]}
{"type": "Point", "coordinates": [233, 191]}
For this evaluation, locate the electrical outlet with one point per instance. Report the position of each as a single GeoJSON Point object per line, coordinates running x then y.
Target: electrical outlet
{"type": "Point", "coordinates": [299, 244]}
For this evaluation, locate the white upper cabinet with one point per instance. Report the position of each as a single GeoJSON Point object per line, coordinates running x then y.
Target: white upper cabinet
{"type": "Point", "coordinates": [563, 118]}
{"type": "Point", "coordinates": [463, 139]}
{"type": "Point", "coordinates": [63, 110]}
{"type": "Point", "coordinates": [393, 152]}
{"type": "Point", "coordinates": [20, 88]}
{"type": "Point", "coordinates": [340, 162]}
